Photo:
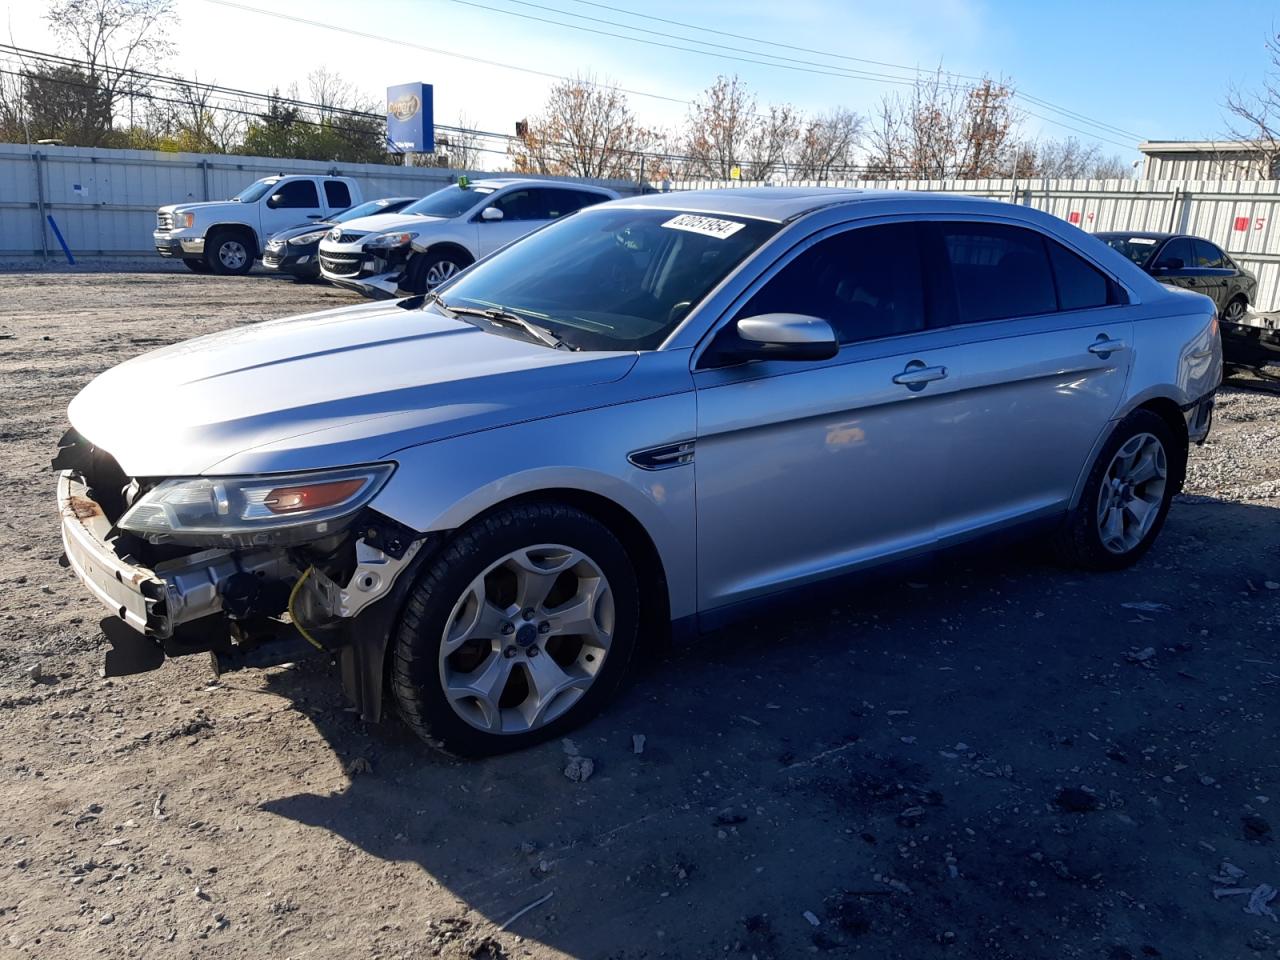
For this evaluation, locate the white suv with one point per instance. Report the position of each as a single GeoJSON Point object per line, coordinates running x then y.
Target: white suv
{"type": "Point", "coordinates": [429, 241]}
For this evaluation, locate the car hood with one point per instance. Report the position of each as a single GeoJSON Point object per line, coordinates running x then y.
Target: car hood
{"type": "Point", "coordinates": [207, 206]}
{"type": "Point", "coordinates": [328, 389]}
{"type": "Point", "coordinates": [300, 229]}
{"type": "Point", "coordinates": [386, 222]}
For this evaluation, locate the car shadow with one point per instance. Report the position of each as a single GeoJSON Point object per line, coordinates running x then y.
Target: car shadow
{"type": "Point", "coordinates": [874, 769]}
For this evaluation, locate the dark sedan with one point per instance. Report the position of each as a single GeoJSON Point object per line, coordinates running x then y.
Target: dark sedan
{"type": "Point", "coordinates": [295, 252]}
{"type": "Point", "coordinates": [1197, 264]}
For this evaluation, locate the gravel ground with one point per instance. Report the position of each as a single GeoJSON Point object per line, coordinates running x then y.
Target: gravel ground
{"type": "Point", "coordinates": [993, 759]}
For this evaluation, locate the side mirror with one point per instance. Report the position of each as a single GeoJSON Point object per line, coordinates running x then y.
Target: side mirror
{"type": "Point", "coordinates": [1164, 266]}
{"type": "Point", "coordinates": [275, 200]}
{"type": "Point", "coordinates": [492, 214]}
{"type": "Point", "coordinates": [782, 336]}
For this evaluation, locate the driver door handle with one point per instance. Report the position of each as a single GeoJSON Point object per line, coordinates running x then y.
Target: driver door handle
{"type": "Point", "coordinates": [1102, 348]}
{"type": "Point", "coordinates": [917, 375]}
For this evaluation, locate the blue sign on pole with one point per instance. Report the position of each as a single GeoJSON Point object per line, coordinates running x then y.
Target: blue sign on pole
{"type": "Point", "coordinates": [410, 122]}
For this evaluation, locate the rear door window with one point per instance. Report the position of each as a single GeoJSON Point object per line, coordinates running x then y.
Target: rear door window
{"type": "Point", "coordinates": [1177, 254]}
{"type": "Point", "coordinates": [1209, 256]}
{"type": "Point", "coordinates": [865, 282]}
{"type": "Point", "coordinates": [337, 194]}
{"type": "Point", "coordinates": [997, 271]}
{"type": "Point", "coordinates": [557, 203]}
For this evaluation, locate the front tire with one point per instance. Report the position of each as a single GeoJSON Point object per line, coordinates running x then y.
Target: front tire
{"type": "Point", "coordinates": [1126, 496]}
{"type": "Point", "coordinates": [229, 253]}
{"type": "Point", "coordinates": [521, 629]}
{"type": "Point", "coordinates": [426, 271]}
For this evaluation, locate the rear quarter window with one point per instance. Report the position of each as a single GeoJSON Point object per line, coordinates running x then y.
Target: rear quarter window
{"type": "Point", "coordinates": [1080, 284]}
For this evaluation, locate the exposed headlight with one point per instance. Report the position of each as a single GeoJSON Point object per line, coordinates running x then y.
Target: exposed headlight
{"type": "Point", "coordinates": [183, 221]}
{"type": "Point", "coordinates": [273, 510]}
{"type": "Point", "coordinates": [314, 237]}
{"type": "Point", "coordinates": [390, 240]}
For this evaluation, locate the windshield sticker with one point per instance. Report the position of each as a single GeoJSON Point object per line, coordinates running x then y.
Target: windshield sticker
{"type": "Point", "coordinates": [707, 226]}
{"type": "Point", "coordinates": [1144, 241]}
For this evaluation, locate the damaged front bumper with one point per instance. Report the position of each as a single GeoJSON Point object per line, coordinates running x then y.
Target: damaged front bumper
{"type": "Point", "coordinates": [250, 608]}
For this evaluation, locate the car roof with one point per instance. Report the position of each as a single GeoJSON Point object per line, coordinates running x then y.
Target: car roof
{"type": "Point", "coordinates": [1144, 234]}
{"type": "Point", "coordinates": [781, 204]}
{"type": "Point", "coordinates": [499, 183]}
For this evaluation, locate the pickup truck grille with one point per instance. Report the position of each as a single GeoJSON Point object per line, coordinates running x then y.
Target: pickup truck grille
{"type": "Point", "coordinates": [341, 264]}
{"type": "Point", "coordinates": [164, 221]}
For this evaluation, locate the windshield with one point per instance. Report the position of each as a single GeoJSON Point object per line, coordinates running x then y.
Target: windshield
{"type": "Point", "coordinates": [449, 202]}
{"type": "Point", "coordinates": [367, 209]}
{"type": "Point", "coordinates": [256, 189]}
{"type": "Point", "coordinates": [1137, 249]}
{"type": "Point", "coordinates": [611, 279]}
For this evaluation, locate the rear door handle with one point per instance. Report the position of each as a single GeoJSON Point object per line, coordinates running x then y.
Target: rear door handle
{"type": "Point", "coordinates": [1103, 347]}
{"type": "Point", "coordinates": [916, 375]}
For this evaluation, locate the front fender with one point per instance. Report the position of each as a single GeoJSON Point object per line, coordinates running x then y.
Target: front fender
{"type": "Point", "coordinates": [443, 485]}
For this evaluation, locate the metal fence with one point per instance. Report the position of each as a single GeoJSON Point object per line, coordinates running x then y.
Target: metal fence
{"type": "Point", "coordinates": [1241, 216]}
{"type": "Point", "coordinates": [104, 201]}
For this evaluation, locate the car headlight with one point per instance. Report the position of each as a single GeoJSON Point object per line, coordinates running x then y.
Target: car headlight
{"type": "Point", "coordinates": [183, 221]}
{"type": "Point", "coordinates": [390, 240]}
{"type": "Point", "coordinates": [273, 510]}
{"type": "Point", "coordinates": [306, 238]}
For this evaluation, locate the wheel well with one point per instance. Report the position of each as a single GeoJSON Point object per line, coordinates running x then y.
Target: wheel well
{"type": "Point", "coordinates": [464, 255]}
{"type": "Point", "coordinates": [236, 228]}
{"type": "Point", "coordinates": [655, 606]}
{"type": "Point", "coordinates": [1171, 413]}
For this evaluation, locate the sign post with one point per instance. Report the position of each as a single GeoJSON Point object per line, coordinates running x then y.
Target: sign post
{"type": "Point", "coordinates": [410, 119]}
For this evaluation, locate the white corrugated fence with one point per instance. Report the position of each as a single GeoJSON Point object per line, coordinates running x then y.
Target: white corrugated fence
{"type": "Point", "coordinates": [104, 201]}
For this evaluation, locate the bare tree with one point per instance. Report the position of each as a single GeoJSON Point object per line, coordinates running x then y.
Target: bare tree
{"type": "Point", "coordinates": [771, 142]}
{"type": "Point", "coordinates": [586, 129]}
{"type": "Point", "coordinates": [115, 38]}
{"type": "Point", "coordinates": [1067, 159]}
{"type": "Point", "coordinates": [460, 148]}
{"type": "Point", "coordinates": [942, 129]}
{"type": "Point", "coordinates": [719, 127]}
{"type": "Point", "coordinates": [828, 145]}
{"type": "Point", "coordinates": [1255, 115]}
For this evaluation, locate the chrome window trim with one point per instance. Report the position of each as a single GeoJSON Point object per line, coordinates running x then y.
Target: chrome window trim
{"type": "Point", "coordinates": [744, 290]}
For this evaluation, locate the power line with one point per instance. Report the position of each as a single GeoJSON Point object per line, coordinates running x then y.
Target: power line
{"type": "Point", "coordinates": [834, 72]}
{"type": "Point", "coordinates": [822, 53]}
{"type": "Point", "coordinates": [268, 99]}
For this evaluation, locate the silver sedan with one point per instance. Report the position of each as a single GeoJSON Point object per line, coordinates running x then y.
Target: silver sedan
{"type": "Point", "coordinates": [642, 420]}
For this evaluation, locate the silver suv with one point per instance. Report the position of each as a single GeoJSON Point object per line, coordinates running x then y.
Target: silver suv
{"type": "Point", "coordinates": [646, 418]}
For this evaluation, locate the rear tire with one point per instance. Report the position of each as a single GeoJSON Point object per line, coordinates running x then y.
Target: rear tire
{"type": "Point", "coordinates": [536, 608]}
{"type": "Point", "coordinates": [1235, 309]}
{"type": "Point", "coordinates": [1126, 496]}
{"type": "Point", "coordinates": [229, 253]}
{"type": "Point", "coordinates": [195, 266]}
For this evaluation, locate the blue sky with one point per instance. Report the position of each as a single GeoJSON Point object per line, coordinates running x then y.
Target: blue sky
{"type": "Point", "coordinates": [1148, 68]}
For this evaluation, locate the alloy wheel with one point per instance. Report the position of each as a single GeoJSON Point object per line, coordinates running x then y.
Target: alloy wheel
{"type": "Point", "coordinates": [439, 272]}
{"type": "Point", "coordinates": [1235, 311]}
{"type": "Point", "coordinates": [232, 254]}
{"type": "Point", "coordinates": [1132, 493]}
{"type": "Point", "coordinates": [526, 639]}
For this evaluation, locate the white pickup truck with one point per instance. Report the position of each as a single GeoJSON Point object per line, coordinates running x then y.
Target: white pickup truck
{"type": "Point", "coordinates": [226, 236]}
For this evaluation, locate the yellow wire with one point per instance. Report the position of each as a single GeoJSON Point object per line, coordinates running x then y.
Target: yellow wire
{"type": "Point", "coordinates": [293, 595]}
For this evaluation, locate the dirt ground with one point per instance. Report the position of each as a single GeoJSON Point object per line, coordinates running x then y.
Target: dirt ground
{"type": "Point", "coordinates": [992, 759]}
